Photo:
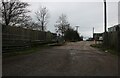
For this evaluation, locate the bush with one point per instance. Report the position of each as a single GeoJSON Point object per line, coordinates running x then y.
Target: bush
{"type": "Point", "coordinates": [72, 35]}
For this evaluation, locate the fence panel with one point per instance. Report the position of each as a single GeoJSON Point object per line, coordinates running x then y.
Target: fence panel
{"type": "Point", "coordinates": [17, 38]}
{"type": "Point", "coordinates": [112, 40]}
{"type": "Point", "coordinates": [118, 45]}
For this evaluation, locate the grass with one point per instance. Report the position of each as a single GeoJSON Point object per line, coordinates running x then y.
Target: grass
{"type": "Point", "coordinates": [105, 49]}
{"type": "Point", "coordinates": [25, 51]}
{"type": "Point", "coordinates": [31, 50]}
{"type": "Point", "coordinates": [56, 44]}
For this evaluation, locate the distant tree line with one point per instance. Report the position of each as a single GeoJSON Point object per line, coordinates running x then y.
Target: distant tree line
{"type": "Point", "coordinates": [72, 35]}
{"type": "Point", "coordinates": [64, 29]}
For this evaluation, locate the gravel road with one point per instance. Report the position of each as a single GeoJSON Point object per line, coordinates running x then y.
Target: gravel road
{"type": "Point", "coordinates": [72, 59]}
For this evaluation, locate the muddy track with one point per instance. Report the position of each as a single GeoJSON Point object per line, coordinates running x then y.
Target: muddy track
{"type": "Point", "coordinates": [72, 59]}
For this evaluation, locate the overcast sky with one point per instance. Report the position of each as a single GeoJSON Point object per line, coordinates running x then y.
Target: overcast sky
{"type": "Point", "coordinates": [84, 14]}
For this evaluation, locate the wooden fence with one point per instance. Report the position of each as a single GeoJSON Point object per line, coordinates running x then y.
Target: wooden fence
{"type": "Point", "coordinates": [20, 38]}
{"type": "Point", "coordinates": [112, 40]}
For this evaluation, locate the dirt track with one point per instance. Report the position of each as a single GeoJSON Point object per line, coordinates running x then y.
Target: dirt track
{"type": "Point", "coordinates": [72, 59]}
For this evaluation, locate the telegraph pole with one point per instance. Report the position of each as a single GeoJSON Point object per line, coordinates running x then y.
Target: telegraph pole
{"type": "Point", "coordinates": [105, 37]}
{"type": "Point", "coordinates": [105, 17]}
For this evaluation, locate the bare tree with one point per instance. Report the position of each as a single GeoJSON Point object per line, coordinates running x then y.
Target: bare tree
{"type": "Point", "coordinates": [34, 26]}
{"type": "Point", "coordinates": [14, 12]}
{"type": "Point", "coordinates": [42, 17]}
{"type": "Point", "coordinates": [23, 21]}
{"type": "Point", "coordinates": [62, 24]}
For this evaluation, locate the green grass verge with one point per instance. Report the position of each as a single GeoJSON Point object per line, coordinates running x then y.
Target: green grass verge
{"type": "Point", "coordinates": [34, 49]}
{"type": "Point", "coordinates": [25, 51]}
{"type": "Point", "coordinates": [105, 49]}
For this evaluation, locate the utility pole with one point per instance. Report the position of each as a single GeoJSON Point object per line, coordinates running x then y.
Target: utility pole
{"type": "Point", "coordinates": [105, 37]}
{"type": "Point", "coordinates": [105, 17]}
{"type": "Point", "coordinates": [77, 28]}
